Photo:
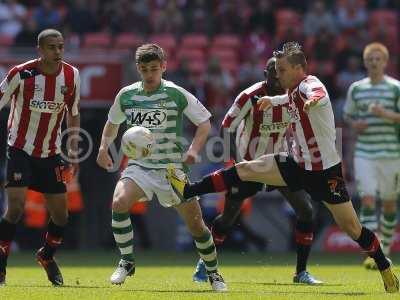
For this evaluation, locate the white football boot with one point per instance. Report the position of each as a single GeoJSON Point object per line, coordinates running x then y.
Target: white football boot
{"type": "Point", "coordinates": [124, 269]}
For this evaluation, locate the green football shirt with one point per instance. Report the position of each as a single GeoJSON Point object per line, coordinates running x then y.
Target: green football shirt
{"type": "Point", "coordinates": [162, 112]}
{"type": "Point", "coordinates": [381, 138]}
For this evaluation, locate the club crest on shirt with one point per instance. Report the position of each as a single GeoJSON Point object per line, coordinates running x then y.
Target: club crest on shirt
{"type": "Point", "coordinates": [64, 90]}
{"type": "Point", "coordinates": [293, 112]}
{"type": "Point", "coordinates": [37, 88]}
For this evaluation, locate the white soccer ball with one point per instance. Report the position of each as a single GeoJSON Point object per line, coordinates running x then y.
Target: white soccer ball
{"type": "Point", "coordinates": [137, 142]}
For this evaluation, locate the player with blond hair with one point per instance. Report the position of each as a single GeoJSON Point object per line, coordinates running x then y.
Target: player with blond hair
{"type": "Point", "coordinates": [373, 110]}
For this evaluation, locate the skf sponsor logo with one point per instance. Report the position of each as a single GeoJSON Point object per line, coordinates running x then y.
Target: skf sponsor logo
{"type": "Point", "coordinates": [274, 127]}
{"type": "Point", "coordinates": [46, 106]}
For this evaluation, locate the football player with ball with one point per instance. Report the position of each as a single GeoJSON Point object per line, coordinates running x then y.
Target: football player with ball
{"type": "Point", "coordinates": [158, 105]}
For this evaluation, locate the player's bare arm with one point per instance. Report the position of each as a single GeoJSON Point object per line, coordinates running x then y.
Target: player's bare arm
{"type": "Point", "coordinates": [198, 142]}
{"type": "Point", "coordinates": [110, 132]}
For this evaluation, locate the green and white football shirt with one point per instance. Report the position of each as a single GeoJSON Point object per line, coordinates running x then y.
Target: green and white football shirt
{"type": "Point", "coordinates": [162, 112]}
{"type": "Point", "coordinates": [381, 138]}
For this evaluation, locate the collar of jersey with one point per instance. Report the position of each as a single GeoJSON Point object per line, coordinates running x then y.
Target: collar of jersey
{"type": "Point", "coordinates": [154, 92]}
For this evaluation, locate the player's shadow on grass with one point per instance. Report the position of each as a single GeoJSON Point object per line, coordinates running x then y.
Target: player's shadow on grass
{"type": "Point", "coordinates": [248, 292]}
{"type": "Point", "coordinates": [71, 286]}
{"type": "Point", "coordinates": [170, 291]}
{"type": "Point", "coordinates": [286, 284]}
{"type": "Point", "coordinates": [321, 293]}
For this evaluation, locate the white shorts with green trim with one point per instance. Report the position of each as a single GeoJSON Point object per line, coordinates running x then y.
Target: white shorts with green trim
{"type": "Point", "coordinates": [153, 182]}
{"type": "Point", "coordinates": [377, 177]}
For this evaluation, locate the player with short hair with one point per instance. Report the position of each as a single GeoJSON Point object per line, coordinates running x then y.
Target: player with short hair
{"type": "Point", "coordinates": [372, 108]}
{"type": "Point", "coordinates": [159, 105]}
{"type": "Point", "coordinates": [258, 133]}
{"type": "Point", "coordinates": [40, 91]}
{"type": "Point", "coordinates": [316, 165]}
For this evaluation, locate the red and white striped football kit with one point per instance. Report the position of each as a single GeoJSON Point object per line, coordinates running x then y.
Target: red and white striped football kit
{"type": "Point", "coordinates": [38, 103]}
{"type": "Point", "coordinates": [258, 132]}
{"type": "Point", "coordinates": [314, 132]}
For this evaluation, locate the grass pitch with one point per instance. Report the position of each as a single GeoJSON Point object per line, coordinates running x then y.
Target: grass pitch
{"type": "Point", "coordinates": [169, 276]}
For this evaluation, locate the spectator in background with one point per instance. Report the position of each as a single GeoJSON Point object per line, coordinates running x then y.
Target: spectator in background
{"type": "Point", "coordinates": [351, 15]}
{"type": "Point", "coordinates": [218, 84]}
{"type": "Point", "coordinates": [350, 74]}
{"type": "Point", "coordinates": [47, 16]}
{"type": "Point", "coordinates": [170, 19]}
{"type": "Point", "coordinates": [353, 46]}
{"type": "Point", "coordinates": [257, 43]}
{"type": "Point", "coordinates": [262, 17]}
{"type": "Point", "coordinates": [318, 18]}
{"type": "Point", "coordinates": [250, 72]}
{"type": "Point", "coordinates": [198, 18]}
{"type": "Point", "coordinates": [325, 51]}
{"type": "Point", "coordinates": [80, 18]}
{"type": "Point", "coordinates": [228, 18]}
{"type": "Point", "coordinates": [12, 16]}
{"type": "Point", "coordinates": [121, 16]}
{"type": "Point", "coordinates": [28, 35]}
{"type": "Point", "coordinates": [181, 75]}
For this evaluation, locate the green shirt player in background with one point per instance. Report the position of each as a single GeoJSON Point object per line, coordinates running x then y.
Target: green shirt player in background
{"type": "Point", "coordinates": [158, 105]}
{"type": "Point", "coordinates": [372, 108]}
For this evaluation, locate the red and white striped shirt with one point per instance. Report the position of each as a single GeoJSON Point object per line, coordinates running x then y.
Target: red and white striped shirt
{"type": "Point", "coordinates": [258, 132]}
{"type": "Point", "coordinates": [38, 103]}
{"type": "Point", "coordinates": [314, 132]}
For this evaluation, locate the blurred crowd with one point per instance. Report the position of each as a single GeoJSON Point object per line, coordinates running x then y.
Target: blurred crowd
{"type": "Point", "coordinates": [216, 48]}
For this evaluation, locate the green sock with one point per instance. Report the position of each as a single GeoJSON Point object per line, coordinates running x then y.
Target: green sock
{"type": "Point", "coordinates": [387, 229]}
{"type": "Point", "coordinates": [123, 234]}
{"type": "Point", "coordinates": [207, 251]}
{"type": "Point", "coordinates": [368, 218]}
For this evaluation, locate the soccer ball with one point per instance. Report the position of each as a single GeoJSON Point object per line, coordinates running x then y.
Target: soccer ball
{"type": "Point", "coordinates": [137, 142]}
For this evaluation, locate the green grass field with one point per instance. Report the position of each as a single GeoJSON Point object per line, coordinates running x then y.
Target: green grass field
{"type": "Point", "coordinates": [168, 276]}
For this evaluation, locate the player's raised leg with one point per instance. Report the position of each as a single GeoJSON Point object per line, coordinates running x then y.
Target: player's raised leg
{"type": "Point", "coordinates": [263, 169]}
{"type": "Point", "coordinates": [191, 214]}
{"type": "Point", "coordinates": [346, 218]}
{"type": "Point", "coordinates": [125, 194]}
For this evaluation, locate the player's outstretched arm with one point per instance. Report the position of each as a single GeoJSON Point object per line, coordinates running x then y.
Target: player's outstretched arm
{"type": "Point", "coordinates": [8, 86]}
{"type": "Point", "coordinates": [198, 142]}
{"type": "Point", "coordinates": [110, 132]}
{"type": "Point", "coordinates": [267, 102]}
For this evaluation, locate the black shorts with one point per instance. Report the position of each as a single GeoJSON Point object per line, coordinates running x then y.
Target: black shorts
{"type": "Point", "coordinates": [43, 175]}
{"type": "Point", "coordinates": [325, 185]}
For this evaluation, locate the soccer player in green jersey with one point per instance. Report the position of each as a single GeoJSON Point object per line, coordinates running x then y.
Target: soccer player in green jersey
{"type": "Point", "coordinates": [158, 105]}
{"type": "Point", "coordinates": [372, 108]}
